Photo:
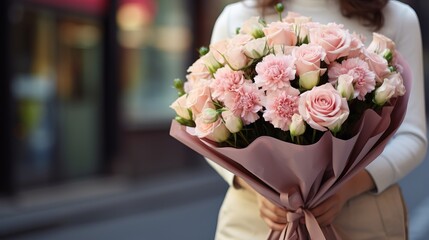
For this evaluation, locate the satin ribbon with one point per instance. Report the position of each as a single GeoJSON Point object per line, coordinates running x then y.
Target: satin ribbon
{"type": "Point", "coordinates": [296, 211]}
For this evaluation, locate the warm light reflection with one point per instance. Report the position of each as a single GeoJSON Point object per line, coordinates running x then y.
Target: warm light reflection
{"type": "Point", "coordinates": [132, 17]}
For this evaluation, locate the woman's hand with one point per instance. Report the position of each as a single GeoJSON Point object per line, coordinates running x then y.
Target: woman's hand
{"type": "Point", "coordinates": [274, 216]}
{"type": "Point", "coordinates": [326, 212]}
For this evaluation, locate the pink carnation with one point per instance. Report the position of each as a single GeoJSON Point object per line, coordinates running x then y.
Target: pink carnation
{"type": "Point", "coordinates": [281, 106]}
{"type": "Point", "coordinates": [245, 102]}
{"type": "Point", "coordinates": [275, 72]}
{"type": "Point", "coordinates": [363, 77]}
{"type": "Point", "coordinates": [226, 80]}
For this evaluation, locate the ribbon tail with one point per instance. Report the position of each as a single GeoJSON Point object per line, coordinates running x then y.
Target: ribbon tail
{"type": "Point", "coordinates": [292, 231]}
{"type": "Point", "coordinates": [274, 235]}
{"type": "Point", "coordinates": [283, 233]}
{"type": "Point", "coordinates": [313, 227]}
{"type": "Point", "coordinates": [288, 233]}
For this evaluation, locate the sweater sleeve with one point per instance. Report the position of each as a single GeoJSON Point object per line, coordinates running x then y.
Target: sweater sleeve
{"type": "Point", "coordinates": [408, 147]}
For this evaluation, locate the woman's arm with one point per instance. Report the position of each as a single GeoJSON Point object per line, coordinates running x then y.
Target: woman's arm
{"type": "Point", "coordinates": [408, 147]}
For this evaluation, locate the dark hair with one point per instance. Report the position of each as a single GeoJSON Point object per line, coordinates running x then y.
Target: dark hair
{"type": "Point", "coordinates": [369, 13]}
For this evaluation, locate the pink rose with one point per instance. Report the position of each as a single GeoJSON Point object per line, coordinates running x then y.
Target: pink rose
{"type": "Point", "coordinates": [235, 55]}
{"type": "Point", "coordinates": [380, 44]}
{"type": "Point", "coordinates": [198, 70]}
{"type": "Point", "coordinates": [333, 38]}
{"type": "Point", "coordinates": [305, 28]}
{"type": "Point", "coordinates": [211, 62]}
{"type": "Point", "coordinates": [323, 108]}
{"type": "Point", "coordinates": [356, 45]}
{"type": "Point", "coordinates": [214, 131]}
{"type": "Point", "coordinates": [282, 50]}
{"type": "Point", "coordinates": [232, 122]}
{"type": "Point", "coordinates": [396, 80]}
{"type": "Point", "coordinates": [377, 64]}
{"type": "Point", "coordinates": [218, 49]}
{"type": "Point", "coordinates": [179, 106]}
{"type": "Point", "coordinates": [209, 125]}
{"type": "Point", "coordinates": [256, 48]}
{"type": "Point", "coordinates": [300, 24]}
{"type": "Point", "coordinates": [280, 33]}
{"type": "Point", "coordinates": [239, 40]}
{"type": "Point", "coordinates": [253, 27]}
{"type": "Point", "coordinates": [294, 17]}
{"type": "Point", "coordinates": [198, 97]}
{"type": "Point", "coordinates": [235, 58]}
{"type": "Point", "coordinates": [308, 58]}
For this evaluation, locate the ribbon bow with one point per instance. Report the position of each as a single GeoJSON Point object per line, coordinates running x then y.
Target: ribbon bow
{"type": "Point", "coordinates": [296, 211]}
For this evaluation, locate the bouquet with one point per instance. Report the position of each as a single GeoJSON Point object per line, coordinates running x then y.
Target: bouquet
{"type": "Point", "coordinates": [295, 108]}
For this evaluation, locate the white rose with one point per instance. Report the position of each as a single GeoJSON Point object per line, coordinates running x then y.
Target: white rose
{"type": "Point", "coordinates": [384, 92]}
{"type": "Point", "coordinates": [345, 86]}
{"type": "Point", "coordinates": [297, 126]}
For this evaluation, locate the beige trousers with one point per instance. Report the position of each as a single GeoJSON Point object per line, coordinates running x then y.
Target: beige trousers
{"type": "Point", "coordinates": [367, 217]}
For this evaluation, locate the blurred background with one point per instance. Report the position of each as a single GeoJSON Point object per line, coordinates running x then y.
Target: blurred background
{"type": "Point", "coordinates": [86, 152]}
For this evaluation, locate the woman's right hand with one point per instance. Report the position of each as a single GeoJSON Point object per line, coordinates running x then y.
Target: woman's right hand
{"type": "Point", "coordinates": [274, 216]}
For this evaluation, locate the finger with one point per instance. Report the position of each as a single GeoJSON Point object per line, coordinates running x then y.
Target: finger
{"type": "Point", "coordinates": [322, 208]}
{"type": "Point", "coordinates": [274, 226]}
{"type": "Point", "coordinates": [280, 219]}
{"type": "Point", "coordinates": [326, 219]}
{"type": "Point", "coordinates": [276, 214]}
{"type": "Point", "coordinates": [271, 206]}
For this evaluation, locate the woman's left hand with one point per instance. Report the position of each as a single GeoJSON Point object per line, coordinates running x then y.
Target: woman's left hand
{"type": "Point", "coordinates": [326, 212]}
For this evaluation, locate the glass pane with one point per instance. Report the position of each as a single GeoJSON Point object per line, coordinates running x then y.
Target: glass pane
{"type": "Point", "coordinates": [56, 61]}
{"type": "Point", "coordinates": [79, 94]}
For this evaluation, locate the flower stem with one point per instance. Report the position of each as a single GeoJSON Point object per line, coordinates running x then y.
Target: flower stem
{"type": "Point", "coordinates": [279, 9]}
{"type": "Point", "coordinates": [244, 138]}
{"type": "Point", "coordinates": [314, 136]}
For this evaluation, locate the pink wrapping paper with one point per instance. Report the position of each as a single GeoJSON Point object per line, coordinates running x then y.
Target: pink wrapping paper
{"type": "Point", "coordinates": [299, 177]}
